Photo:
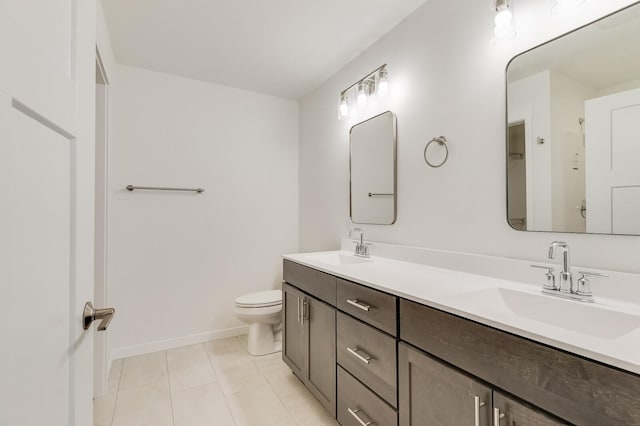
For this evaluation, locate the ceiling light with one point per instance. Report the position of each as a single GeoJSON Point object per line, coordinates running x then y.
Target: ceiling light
{"type": "Point", "coordinates": [562, 6]}
{"type": "Point", "coordinates": [503, 28]}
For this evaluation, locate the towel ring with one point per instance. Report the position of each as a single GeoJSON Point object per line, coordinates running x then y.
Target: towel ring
{"type": "Point", "coordinates": [442, 141]}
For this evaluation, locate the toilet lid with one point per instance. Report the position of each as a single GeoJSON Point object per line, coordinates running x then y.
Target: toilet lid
{"type": "Point", "coordinates": [260, 299]}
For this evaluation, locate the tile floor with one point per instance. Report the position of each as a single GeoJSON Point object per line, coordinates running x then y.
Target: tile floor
{"type": "Point", "coordinates": [215, 383]}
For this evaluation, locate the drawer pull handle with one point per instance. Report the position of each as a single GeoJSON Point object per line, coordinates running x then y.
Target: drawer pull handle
{"type": "Point", "coordinates": [497, 416]}
{"type": "Point", "coordinates": [356, 352]}
{"type": "Point", "coordinates": [477, 404]}
{"type": "Point", "coordinates": [354, 413]}
{"type": "Point", "coordinates": [359, 304]}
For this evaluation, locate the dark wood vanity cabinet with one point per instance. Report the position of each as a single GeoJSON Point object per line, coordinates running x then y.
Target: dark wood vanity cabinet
{"type": "Point", "coordinates": [309, 343]}
{"type": "Point", "coordinates": [434, 393]}
{"type": "Point", "coordinates": [549, 380]}
{"type": "Point", "coordinates": [309, 334]}
{"type": "Point", "coordinates": [369, 356]}
{"type": "Point", "coordinates": [512, 412]}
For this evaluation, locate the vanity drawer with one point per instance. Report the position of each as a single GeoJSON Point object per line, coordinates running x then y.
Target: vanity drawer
{"type": "Point", "coordinates": [314, 282]}
{"type": "Point", "coordinates": [369, 355]}
{"type": "Point", "coordinates": [371, 306]}
{"type": "Point", "coordinates": [581, 391]}
{"type": "Point", "coordinates": [354, 397]}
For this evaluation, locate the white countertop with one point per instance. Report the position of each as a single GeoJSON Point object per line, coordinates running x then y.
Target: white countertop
{"type": "Point", "coordinates": [470, 296]}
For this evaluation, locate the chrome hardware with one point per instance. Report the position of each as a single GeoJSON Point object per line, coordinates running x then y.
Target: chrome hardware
{"type": "Point", "coordinates": [375, 194]}
{"type": "Point", "coordinates": [497, 416]}
{"type": "Point", "coordinates": [442, 141]}
{"type": "Point", "coordinates": [477, 404]}
{"type": "Point", "coordinates": [356, 352]}
{"type": "Point", "coordinates": [91, 314]}
{"type": "Point", "coordinates": [304, 311]}
{"type": "Point", "coordinates": [566, 280]}
{"type": "Point", "coordinates": [551, 278]}
{"type": "Point", "coordinates": [584, 285]}
{"type": "Point", "coordinates": [579, 290]}
{"type": "Point", "coordinates": [362, 248]}
{"type": "Point", "coordinates": [354, 413]}
{"type": "Point", "coordinates": [358, 304]}
{"type": "Point", "coordinates": [163, 188]}
{"type": "Point", "coordinates": [299, 320]}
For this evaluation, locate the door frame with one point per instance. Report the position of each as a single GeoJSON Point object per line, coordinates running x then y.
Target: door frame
{"type": "Point", "coordinates": [102, 361]}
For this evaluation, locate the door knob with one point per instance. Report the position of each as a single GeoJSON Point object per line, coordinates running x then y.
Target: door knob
{"type": "Point", "coordinates": [91, 314]}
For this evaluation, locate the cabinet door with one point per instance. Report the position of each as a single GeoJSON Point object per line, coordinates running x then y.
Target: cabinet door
{"type": "Point", "coordinates": [294, 335]}
{"type": "Point", "coordinates": [321, 374]}
{"type": "Point", "coordinates": [432, 393]}
{"type": "Point", "coordinates": [511, 412]}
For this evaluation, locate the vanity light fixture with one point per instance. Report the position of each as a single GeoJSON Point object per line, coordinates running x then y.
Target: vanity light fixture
{"type": "Point", "coordinates": [562, 6]}
{"type": "Point", "coordinates": [503, 28]}
{"type": "Point", "coordinates": [376, 83]}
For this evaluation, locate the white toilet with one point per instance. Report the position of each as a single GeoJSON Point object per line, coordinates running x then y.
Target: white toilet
{"type": "Point", "coordinates": [263, 312]}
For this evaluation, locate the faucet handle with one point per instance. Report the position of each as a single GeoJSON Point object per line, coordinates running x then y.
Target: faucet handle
{"type": "Point", "coordinates": [584, 286]}
{"type": "Point", "coordinates": [551, 278]}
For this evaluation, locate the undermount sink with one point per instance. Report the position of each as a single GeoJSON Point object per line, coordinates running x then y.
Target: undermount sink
{"type": "Point", "coordinates": [571, 315]}
{"type": "Point", "coordinates": [336, 259]}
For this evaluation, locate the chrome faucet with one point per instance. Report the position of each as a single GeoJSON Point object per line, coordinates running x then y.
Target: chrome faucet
{"type": "Point", "coordinates": [362, 249]}
{"type": "Point", "coordinates": [581, 291]}
{"type": "Point", "coordinates": [566, 280]}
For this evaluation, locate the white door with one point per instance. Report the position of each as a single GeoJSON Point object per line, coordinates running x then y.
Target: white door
{"type": "Point", "coordinates": [611, 155]}
{"type": "Point", "coordinates": [47, 57]}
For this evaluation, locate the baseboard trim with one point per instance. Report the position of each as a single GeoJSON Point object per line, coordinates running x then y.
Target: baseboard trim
{"type": "Point", "coordinates": [162, 345]}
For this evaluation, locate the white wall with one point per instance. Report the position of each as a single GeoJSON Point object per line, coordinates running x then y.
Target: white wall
{"type": "Point", "coordinates": [177, 261]}
{"type": "Point", "coordinates": [447, 80]}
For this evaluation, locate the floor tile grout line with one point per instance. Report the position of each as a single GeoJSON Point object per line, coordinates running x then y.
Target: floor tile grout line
{"type": "Point", "coordinates": [226, 402]}
{"type": "Point", "coordinates": [281, 401]}
{"type": "Point", "coordinates": [115, 403]}
{"type": "Point", "coordinates": [166, 360]}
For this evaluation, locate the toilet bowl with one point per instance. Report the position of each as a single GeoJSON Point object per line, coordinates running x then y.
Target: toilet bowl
{"type": "Point", "coordinates": [263, 312]}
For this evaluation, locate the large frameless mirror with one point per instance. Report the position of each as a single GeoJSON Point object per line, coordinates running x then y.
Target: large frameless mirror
{"type": "Point", "coordinates": [373, 170]}
{"type": "Point", "coordinates": [573, 130]}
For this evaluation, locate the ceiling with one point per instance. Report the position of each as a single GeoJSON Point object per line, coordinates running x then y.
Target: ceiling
{"type": "Point", "coordinates": [285, 48]}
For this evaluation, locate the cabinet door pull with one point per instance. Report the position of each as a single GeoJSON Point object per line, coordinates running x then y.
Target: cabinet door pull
{"type": "Point", "coordinates": [477, 404]}
{"type": "Point", "coordinates": [497, 416]}
{"type": "Point", "coordinates": [354, 413]}
{"type": "Point", "coordinates": [359, 304]}
{"type": "Point", "coordinates": [298, 310]}
{"type": "Point", "coordinates": [305, 310]}
{"type": "Point", "coordinates": [356, 352]}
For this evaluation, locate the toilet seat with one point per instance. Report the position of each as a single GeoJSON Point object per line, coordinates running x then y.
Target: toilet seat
{"type": "Point", "coordinates": [261, 299]}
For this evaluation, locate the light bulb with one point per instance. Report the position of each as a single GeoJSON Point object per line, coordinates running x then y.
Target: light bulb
{"type": "Point", "coordinates": [503, 18]}
{"type": "Point", "coordinates": [362, 94]}
{"type": "Point", "coordinates": [503, 24]}
{"type": "Point", "coordinates": [383, 82]}
{"type": "Point", "coordinates": [343, 109]}
{"type": "Point", "coordinates": [562, 6]}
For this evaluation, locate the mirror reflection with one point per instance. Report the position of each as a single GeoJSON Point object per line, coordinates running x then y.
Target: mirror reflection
{"type": "Point", "coordinates": [373, 170]}
{"type": "Point", "coordinates": [573, 131]}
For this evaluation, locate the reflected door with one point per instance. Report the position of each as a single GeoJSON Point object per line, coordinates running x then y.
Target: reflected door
{"type": "Point", "coordinates": [612, 170]}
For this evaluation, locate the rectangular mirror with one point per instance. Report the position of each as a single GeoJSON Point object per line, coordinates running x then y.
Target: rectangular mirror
{"type": "Point", "coordinates": [573, 130]}
{"type": "Point", "coordinates": [372, 164]}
